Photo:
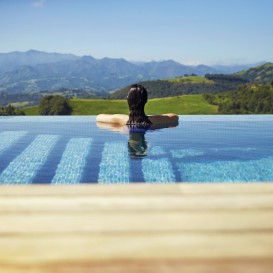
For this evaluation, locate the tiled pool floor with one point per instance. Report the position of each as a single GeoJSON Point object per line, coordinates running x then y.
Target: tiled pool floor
{"type": "Point", "coordinates": [71, 150]}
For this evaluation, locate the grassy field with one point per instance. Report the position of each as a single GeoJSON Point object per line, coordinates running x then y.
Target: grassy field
{"type": "Point", "coordinates": [31, 111]}
{"type": "Point", "coordinates": [191, 80]}
{"type": "Point", "coordinates": [182, 105]}
{"type": "Point", "coordinates": [95, 107]}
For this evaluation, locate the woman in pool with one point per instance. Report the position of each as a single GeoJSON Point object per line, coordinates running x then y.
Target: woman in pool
{"type": "Point", "coordinates": [137, 98]}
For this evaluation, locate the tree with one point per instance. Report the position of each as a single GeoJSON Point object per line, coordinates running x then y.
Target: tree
{"type": "Point", "coordinates": [54, 105]}
{"type": "Point", "coordinates": [10, 111]}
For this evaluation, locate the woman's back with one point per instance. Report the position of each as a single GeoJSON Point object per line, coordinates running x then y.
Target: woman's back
{"type": "Point", "coordinates": [137, 98]}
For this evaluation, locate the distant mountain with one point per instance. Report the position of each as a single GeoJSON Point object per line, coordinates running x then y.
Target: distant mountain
{"type": "Point", "coordinates": [13, 60]}
{"type": "Point", "coordinates": [211, 83]}
{"type": "Point", "coordinates": [35, 71]}
{"type": "Point", "coordinates": [259, 74]}
{"type": "Point", "coordinates": [85, 73]}
{"type": "Point", "coordinates": [230, 69]}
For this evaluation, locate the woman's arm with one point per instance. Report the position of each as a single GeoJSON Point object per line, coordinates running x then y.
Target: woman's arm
{"type": "Point", "coordinates": [122, 119]}
{"type": "Point", "coordinates": [164, 118]}
{"type": "Point", "coordinates": [116, 118]}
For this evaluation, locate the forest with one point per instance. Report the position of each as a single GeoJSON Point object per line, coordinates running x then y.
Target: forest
{"type": "Point", "coordinates": [11, 111]}
{"type": "Point", "coordinates": [248, 99]}
{"type": "Point", "coordinates": [185, 85]}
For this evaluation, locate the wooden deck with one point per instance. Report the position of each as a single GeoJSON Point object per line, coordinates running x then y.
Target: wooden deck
{"type": "Point", "coordinates": [191, 228]}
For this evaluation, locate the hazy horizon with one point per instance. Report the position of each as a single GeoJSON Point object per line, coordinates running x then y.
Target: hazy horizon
{"type": "Point", "coordinates": [139, 62]}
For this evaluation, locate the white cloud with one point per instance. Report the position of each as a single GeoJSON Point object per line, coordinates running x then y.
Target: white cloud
{"type": "Point", "coordinates": [39, 3]}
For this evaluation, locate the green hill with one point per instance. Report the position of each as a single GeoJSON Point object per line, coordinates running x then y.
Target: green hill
{"type": "Point", "coordinates": [176, 95]}
{"type": "Point", "coordinates": [260, 74]}
{"type": "Point", "coordinates": [211, 83]}
{"type": "Point", "coordinates": [249, 99]}
{"type": "Point", "coordinates": [182, 105]}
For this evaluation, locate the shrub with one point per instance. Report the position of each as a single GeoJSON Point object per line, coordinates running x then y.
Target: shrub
{"type": "Point", "coordinates": [10, 111]}
{"type": "Point", "coordinates": [54, 105]}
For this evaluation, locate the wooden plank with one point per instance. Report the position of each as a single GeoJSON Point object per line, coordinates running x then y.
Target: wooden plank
{"type": "Point", "coordinates": [191, 228]}
{"type": "Point", "coordinates": [237, 265]}
{"type": "Point", "coordinates": [134, 252]}
{"type": "Point", "coordinates": [137, 189]}
{"type": "Point", "coordinates": [138, 221]}
{"type": "Point", "coordinates": [77, 203]}
{"type": "Point", "coordinates": [88, 189]}
{"type": "Point", "coordinates": [134, 246]}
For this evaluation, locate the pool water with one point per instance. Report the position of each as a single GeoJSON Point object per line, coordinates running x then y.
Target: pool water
{"type": "Point", "coordinates": [72, 150]}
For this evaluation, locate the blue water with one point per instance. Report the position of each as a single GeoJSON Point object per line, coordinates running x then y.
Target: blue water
{"type": "Point", "coordinates": [72, 150]}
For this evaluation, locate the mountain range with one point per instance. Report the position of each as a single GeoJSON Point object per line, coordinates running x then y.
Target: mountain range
{"type": "Point", "coordinates": [35, 71]}
{"type": "Point", "coordinates": [208, 84]}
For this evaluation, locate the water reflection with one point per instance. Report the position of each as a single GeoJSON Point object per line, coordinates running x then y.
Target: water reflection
{"type": "Point", "coordinates": [137, 144]}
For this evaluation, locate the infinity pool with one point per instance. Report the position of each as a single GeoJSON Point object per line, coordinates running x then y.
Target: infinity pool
{"type": "Point", "coordinates": [72, 150]}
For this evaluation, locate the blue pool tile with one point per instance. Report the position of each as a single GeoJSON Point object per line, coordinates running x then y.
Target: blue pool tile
{"type": "Point", "coordinates": [200, 149]}
{"type": "Point", "coordinates": [234, 149]}
{"type": "Point", "coordinates": [182, 153]}
{"type": "Point", "coordinates": [8, 138]}
{"type": "Point", "coordinates": [25, 166]}
{"type": "Point", "coordinates": [157, 171]}
{"type": "Point", "coordinates": [114, 165]}
{"type": "Point", "coordinates": [73, 161]}
{"type": "Point", "coordinates": [157, 150]}
{"type": "Point", "coordinates": [227, 171]}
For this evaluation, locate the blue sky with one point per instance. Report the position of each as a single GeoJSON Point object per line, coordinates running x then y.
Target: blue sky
{"type": "Point", "coordinates": [187, 31]}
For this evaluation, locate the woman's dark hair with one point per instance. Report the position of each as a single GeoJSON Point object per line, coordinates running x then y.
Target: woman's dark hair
{"type": "Point", "coordinates": [137, 98]}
